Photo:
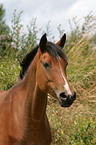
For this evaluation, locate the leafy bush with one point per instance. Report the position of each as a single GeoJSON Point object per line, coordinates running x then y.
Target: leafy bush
{"type": "Point", "coordinates": [9, 70]}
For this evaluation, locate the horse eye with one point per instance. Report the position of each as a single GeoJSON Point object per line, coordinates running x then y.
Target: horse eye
{"type": "Point", "coordinates": [46, 65]}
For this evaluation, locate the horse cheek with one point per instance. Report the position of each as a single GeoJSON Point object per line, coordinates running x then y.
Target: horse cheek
{"type": "Point", "coordinates": [41, 80]}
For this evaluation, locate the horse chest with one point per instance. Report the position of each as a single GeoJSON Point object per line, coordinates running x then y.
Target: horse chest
{"type": "Point", "coordinates": [38, 134]}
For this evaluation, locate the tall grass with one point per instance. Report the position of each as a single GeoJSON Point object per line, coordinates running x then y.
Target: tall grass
{"type": "Point", "coordinates": [77, 124]}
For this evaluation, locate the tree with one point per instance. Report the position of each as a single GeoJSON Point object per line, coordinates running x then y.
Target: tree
{"type": "Point", "coordinates": [4, 29]}
{"type": "Point", "coordinates": [4, 32]}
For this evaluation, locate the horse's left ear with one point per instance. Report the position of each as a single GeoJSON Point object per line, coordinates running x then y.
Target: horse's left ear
{"type": "Point", "coordinates": [43, 43]}
{"type": "Point", "coordinates": [62, 41]}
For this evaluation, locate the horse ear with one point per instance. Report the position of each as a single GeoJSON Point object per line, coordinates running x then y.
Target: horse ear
{"type": "Point", "coordinates": [43, 43]}
{"type": "Point", "coordinates": [62, 41]}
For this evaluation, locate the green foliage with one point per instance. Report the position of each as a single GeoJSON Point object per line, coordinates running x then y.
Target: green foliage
{"type": "Point", "coordinates": [4, 29]}
{"type": "Point", "coordinates": [61, 31]}
{"type": "Point", "coordinates": [83, 131]}
{"type": "Point", "coordinates": [16, 30]}
{"type": "Point", "coordinates": [81, 33]}
{"type": "Point", "coordinates": [2, 12]}
{"type": "Point", "coordinates": [57, 123]}
{"type": "Point", "coordinates": [9, 70]}
{"type": "Point", "coordinates": [81, 54]}
{"type": "Point", "coordinates": [93, 39]}
{"type": "Point", "coordinates": [73, 126]}
{"type": "Point", "coordinates": [67, 128]}
{"type": "Point", "coordinates": [29, 40]}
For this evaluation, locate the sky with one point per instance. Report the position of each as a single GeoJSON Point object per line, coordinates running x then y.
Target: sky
{"type": "Point", "coordinates": [55, 11]}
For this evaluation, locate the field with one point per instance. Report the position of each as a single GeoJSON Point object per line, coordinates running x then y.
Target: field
{"type": "Point", "coordinates": [75, 125]}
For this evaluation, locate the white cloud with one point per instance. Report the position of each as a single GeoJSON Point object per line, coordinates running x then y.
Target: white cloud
{"type": "Point", "coordinates": [82, 7]}
{"type": "Point", "coordinates": [58, 11]}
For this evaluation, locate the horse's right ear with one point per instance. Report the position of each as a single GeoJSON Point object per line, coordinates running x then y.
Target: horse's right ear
{"type": "Point", "coordinates": [62, 41]}
{"type": "Point", "coordinates": [43, 43]}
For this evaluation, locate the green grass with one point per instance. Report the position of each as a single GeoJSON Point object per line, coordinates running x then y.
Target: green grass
{"type": "Point", "coordinates": [67, 123]}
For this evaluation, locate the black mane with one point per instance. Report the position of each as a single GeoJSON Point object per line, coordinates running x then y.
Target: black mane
{"type": "Point", "coordinates": [54, 51]}
{"type": "Point", "coordinates": [27, 61]}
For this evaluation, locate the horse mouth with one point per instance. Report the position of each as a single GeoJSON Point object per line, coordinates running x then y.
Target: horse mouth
{"type": "Point", "coordinates": [66, 101]}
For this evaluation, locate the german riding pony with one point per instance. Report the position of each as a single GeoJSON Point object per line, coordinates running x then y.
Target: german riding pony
{"type": "Point", "coordinates": [23, 119]}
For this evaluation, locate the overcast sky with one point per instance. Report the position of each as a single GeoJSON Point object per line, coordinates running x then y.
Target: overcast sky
{"type": "Point", "coordinates": [57, 11]}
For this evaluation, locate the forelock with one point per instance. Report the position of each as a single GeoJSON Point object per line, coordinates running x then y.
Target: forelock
{"type": "Point", "coordinates": [55, 51]}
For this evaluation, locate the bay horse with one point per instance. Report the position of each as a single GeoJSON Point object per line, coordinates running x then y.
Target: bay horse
{"type": "Point", "coordinates": [23, 119]}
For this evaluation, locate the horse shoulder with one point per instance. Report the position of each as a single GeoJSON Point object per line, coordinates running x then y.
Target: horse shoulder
{"type": "Point", "coordinates": [11, 114]}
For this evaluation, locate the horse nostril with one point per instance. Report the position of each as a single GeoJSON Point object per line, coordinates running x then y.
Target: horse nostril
{"type": "Point", "coordinates": [63, 96]}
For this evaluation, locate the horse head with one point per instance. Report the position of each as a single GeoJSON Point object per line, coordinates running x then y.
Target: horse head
{"type": "Point", "coordinates": [51, 71]}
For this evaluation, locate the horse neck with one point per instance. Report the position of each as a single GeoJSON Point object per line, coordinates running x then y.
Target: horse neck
{"type": "Point", "coordinates": [39, 103]}
{"type": "Point", "coordinates": [36, 100]}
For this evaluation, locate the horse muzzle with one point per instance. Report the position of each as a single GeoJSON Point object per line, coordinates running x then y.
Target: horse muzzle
{"type": "Point", "coordinates": [66, 100]}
